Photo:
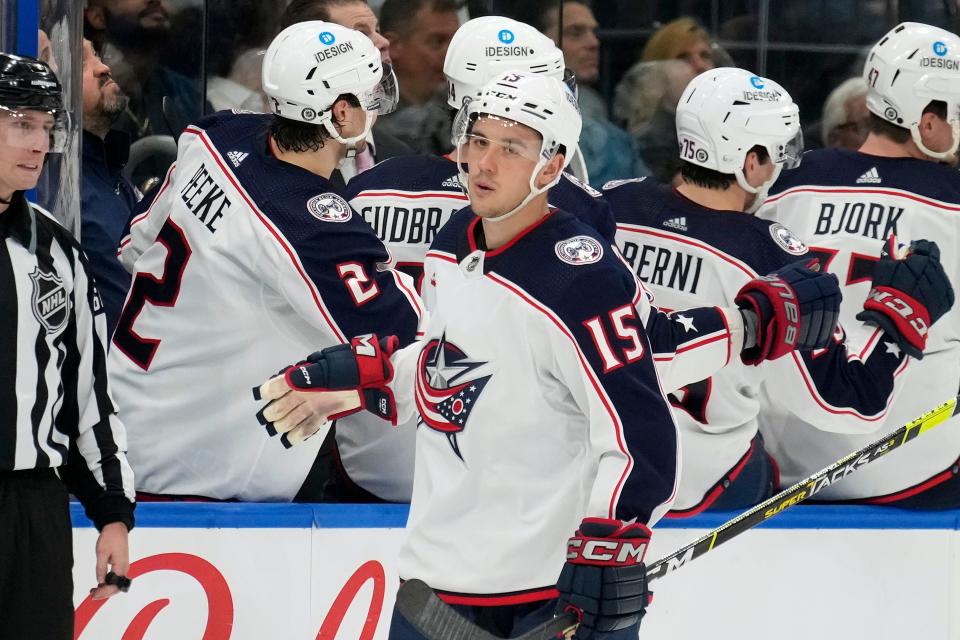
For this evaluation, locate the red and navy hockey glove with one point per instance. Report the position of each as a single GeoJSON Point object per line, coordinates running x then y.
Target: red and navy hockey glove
{"type": "Point", "coordinates": [793, 308]}
{"type": "Point", "coordinates": [604, 581]}
{"type": "Point", "coordinates": [908, 294]}
{"type": "Point", "coordinates": [363, 366]}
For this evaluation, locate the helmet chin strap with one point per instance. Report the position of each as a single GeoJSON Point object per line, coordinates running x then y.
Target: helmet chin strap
{"type": "Point", "coordinates": [760, 192]}
{"type": "Point", "coordinates": [351, 142]}
{"type": "Point", "coordinates": [938, 155]}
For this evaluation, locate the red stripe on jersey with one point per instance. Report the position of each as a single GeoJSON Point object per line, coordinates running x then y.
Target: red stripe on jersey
{"type": "Point", "coordinates": [720, 335]}
{"type": "Point", "coordinates": [442, 256]}
{"type": "Point", "coordinates": [685, 240]}
{"type": "Point", "coordinates": [857, 191]}
{"type": "Point", "coordinates": [276, 234]}
{"type": "Point", "coordinates": [411, 194]}
{"type": "Point", "coordinates": [411, 296]}
{"type": "Point", "coordinates": [717, 489]}
{"type": "Point", "coordinates": [618, 426]}
{"type": "Point", "coordinates": [940, 478]}
{"type": "Point", "coordinates": [537, 595]}
{"type": "Point", "coordinates": [830, 409]}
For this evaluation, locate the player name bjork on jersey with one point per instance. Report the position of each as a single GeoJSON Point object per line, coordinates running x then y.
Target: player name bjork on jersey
{"type": "Point", "coordinates": [664, 267]}
{"type": "Point", "coordinates": [869, 219]}
{"type": "Point", "coordinates": [205, 198]}
{"type": "Point", "coordinates": [412, 225]}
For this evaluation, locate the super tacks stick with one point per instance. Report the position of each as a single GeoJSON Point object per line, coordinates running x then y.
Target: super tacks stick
{"type": "Point", "coordinates": [436, 620]}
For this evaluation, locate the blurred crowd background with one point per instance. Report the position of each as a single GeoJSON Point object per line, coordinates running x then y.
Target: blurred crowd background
{"type": "Point", "coordinates": [180, 59]}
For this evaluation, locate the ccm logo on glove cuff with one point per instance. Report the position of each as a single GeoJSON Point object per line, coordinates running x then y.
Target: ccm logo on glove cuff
{"type": "Point", "coordinates": [606, 551]}
{"type": "Point", "coordinates": [905, 309]}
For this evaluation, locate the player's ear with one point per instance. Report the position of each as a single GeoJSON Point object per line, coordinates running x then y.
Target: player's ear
{"type": "Point", "coordinates": [551, 170]}
{"type": "Point", "coordinates": [343, 113]}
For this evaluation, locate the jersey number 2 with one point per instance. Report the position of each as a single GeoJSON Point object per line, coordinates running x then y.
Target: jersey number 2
{"type": "Point", "coordinates": [160, 292]}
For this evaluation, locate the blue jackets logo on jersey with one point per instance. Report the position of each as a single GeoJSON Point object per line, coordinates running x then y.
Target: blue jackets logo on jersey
{"type": "Point", "coordinates": [787, 240]}
{"type": "Point", "coordinates": [329, 207]}
{"type": "Point", "coordinates": [444, 399]}
{"type": "Point", "coordinates": [579, 250]}
{"type": "Point", "coordinates": [49, 300]}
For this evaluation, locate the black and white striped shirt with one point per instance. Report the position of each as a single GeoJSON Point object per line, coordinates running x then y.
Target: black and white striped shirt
{"type": "Point", "coordinates": [55, 406]}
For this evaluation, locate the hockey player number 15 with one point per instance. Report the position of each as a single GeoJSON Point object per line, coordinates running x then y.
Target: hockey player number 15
{"type": "Point", "coordinates": [161, 292]}
{"type": "Point", "coordinates": [621, 319]}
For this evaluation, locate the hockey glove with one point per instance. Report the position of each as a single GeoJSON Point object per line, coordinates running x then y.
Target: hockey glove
{"type": "Point", "coordinates": [328, 385]}
{"type": "Point", "coordinates": [604, 581]}
{"type": "Point", "coordinates": [908, 295]}
{"type": "Point", "coordinates": [793, 308]}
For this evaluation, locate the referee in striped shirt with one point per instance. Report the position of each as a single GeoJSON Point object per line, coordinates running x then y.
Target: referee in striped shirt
{"type": "Point", "coordinates": [56, 414]}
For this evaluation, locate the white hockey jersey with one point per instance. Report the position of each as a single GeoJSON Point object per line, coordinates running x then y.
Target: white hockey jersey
{"type": "Point", "coordinates": [539, 405]}
{"type": "Point", "coordinates": [844, 204]}
{"type": "Point", "coordinates": [244, 264]}
{"type": "Point", "coordinates": [689, 255]}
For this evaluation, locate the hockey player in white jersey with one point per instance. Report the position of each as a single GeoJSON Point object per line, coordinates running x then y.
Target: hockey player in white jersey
{"type": "Point", "coordinates": [407, 199]}
{"type": "Point", "coordinates": [247, 258]}
{"type": "Point", "coordinates": [845, 205]}
{"type": "Point", "coordinates": [536, 386]}
{"type": "Point", "coordinates": [695, 245]}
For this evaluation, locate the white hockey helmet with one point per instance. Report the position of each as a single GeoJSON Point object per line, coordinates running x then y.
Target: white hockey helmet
{"type": "Point", "coordinates": [540, 102]}
{"type": "Point", "coordinates": [309, 64]}
{"type": "Point", "coordinates": [911, 66]}
{"type": "Point", "coordinates": [486, 47]}
{"type": "Point", "coordinates": [725, 112]}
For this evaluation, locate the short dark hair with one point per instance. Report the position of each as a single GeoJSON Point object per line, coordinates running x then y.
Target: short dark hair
{"type": "Point", "coordinates": [306, 10]}
{"type": "Point", "coordinates": [398, 15]}
{"type": "Point", "coordinates": [712, 179]}
{"type": "Point", "coordinates": [301, 137]}
{"type": "Point", "coordinates": [900, 134]}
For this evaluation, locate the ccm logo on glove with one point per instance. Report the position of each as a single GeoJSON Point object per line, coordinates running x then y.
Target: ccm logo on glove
{"type": "Point", "coordinates": [618, 552]}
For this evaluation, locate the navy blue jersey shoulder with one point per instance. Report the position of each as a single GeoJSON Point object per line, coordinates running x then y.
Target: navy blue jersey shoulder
{"type": "Point", "coordinates": [845, 168]}
{"type": "Point", "coordinates": [586, 203]}
{"type": "Point", "coordinates": [568, 266]}
{"type": "Point", "coordinates": [303, 205]}
{"type": "Point", "coordinates": [452, 237]}
{"type": "Point", "coordinates": [407, 173]}
{"type": "Point", "coordinates": [762, 245]}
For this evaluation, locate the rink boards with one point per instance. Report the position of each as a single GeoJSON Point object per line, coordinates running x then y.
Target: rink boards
{"type": "Point", "coordinates": [325, 572]}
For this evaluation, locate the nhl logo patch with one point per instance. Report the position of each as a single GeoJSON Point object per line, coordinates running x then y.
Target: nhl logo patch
{"type": "Point", "coordinates": [785, 238]}
{"type": "Point", "coordinates": [49, 299]}
{"type": "Point", "coordinates": [329, 207]}
{"type": "Point", "coordinates": [579, 250]}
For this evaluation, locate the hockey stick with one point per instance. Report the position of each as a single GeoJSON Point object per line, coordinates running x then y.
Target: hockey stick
{"type": "Point", "coordinates": [433, 618]}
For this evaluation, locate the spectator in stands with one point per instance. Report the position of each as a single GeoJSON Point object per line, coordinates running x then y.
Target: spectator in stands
{"type": "Point", "coordinates": [607, 150]}
{"type": "Point", "coordinates": [846, 120]}
{"type": "Point", "coordinates": [646, 105]}
{"type": "Point", "coordinates": [682, 39]}
{"type": "Point", "coordinates": [419, 32]}
{"type": "Point", "coordinates": [581, 49]}
{"type": "Point", "coordinates": [132, 37]}
{"type": "Point", "coordinates": [106, 197]}
{"type": "Point", "coordinates": [238, 34]}
{"type": "Point", "coordinates": [356, 15]}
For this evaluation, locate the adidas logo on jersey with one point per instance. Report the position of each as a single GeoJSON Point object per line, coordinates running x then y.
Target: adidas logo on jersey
{"type": "Point", "coordinates": [869, 177]}
{"type": "Point", "coordinates": [452, 181]}
{"type": "Point", "coordinates": [236, 157]}
{"type": "Point", "coordinates": [679, 224]}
